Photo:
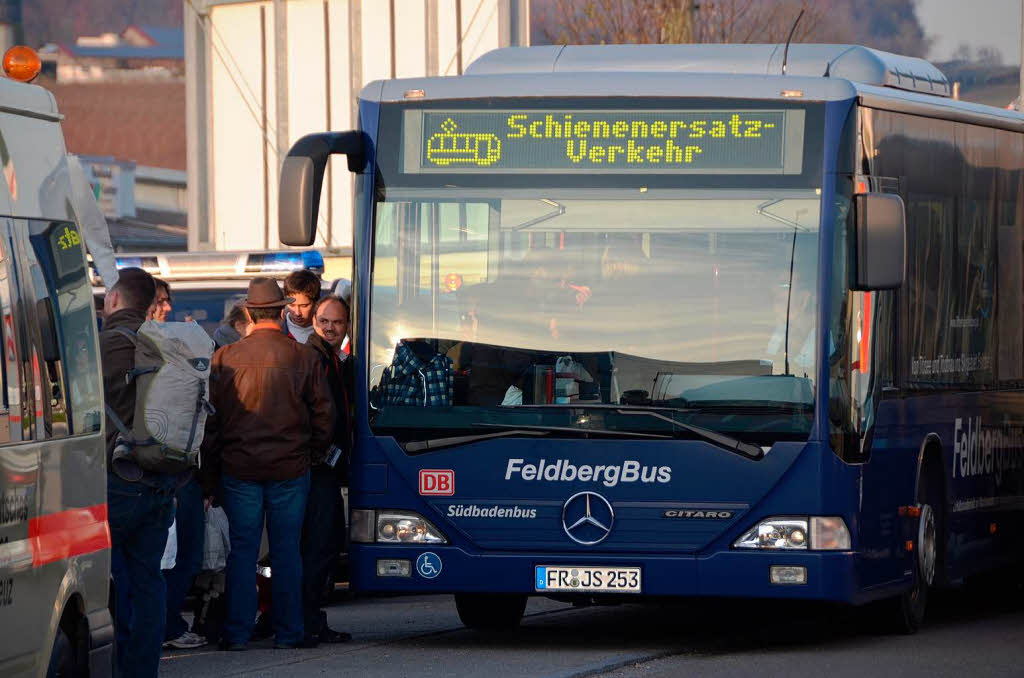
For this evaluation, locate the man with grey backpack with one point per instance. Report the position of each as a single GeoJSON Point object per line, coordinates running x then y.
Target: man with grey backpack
{"type": "Point", "coordinates": [188, 529]}
{"type": "Point", "coordinates": [152, 373]}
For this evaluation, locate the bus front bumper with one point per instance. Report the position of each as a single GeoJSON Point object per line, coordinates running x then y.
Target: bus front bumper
{"type": "Point", "coordinates": [746, 574]}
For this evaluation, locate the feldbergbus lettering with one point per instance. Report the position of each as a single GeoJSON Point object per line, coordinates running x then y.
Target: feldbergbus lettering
{"type": "Point", "coordinates": [610, 475]}
{"type": "Point", "coordinates": [982, 450]}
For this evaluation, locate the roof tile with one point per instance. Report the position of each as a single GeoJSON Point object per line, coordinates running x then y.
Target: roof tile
{"type": "Point", "coordinates": [139, 121]}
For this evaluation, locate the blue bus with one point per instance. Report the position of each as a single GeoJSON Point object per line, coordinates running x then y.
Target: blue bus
{"type": "Point", "coordinates": [716, 320]}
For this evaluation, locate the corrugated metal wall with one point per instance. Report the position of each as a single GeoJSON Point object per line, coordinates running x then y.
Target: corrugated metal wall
{"type": "Point", "coordinates": [240, 55]}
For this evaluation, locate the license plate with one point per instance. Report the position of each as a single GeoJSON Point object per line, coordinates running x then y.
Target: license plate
{"type": "Point", "coordinates": [581, 578]}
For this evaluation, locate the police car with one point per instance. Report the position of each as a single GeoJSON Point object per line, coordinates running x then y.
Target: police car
{"type": "Point", "coordinates": [206, 285]}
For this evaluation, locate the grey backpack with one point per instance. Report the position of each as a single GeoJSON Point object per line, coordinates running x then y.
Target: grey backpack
{"type": "Point", "coordinates": [172, 377]}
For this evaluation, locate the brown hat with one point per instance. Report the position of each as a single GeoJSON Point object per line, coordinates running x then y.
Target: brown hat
{"type": "Point", "coordinates": [266, 293]}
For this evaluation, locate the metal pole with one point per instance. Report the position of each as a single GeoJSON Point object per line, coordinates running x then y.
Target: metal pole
{"type": "Point", "coordinates": [281, 81]}
{"type": "Point", "coordinates": [199, 126]}
{"type": "Point", "coordinates": [1020, 94]}
{"type": "Point", "coordinates": [327, 92]}
{"type": "Point", "coordinates": [263, 127]}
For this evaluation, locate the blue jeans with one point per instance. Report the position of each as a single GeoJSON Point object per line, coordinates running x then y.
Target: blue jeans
{"type": "Point", "coordinates": [139, 516]}
{"type": "Point", "coordinates": [245, 502]}
{"type": "Point", "coordinates": [191, 533]}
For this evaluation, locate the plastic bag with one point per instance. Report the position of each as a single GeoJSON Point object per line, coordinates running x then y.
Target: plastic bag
{"type": "Point", "coordinates": [513, 396]}
{"type": "Point", "coordinates": [171, 548]}
{"type": "Point", "coordinates": [217, 543]}
{"type": "Point", "coordinates": [568, 374]}
{"type": "Point", "coordinates": [566, 366]}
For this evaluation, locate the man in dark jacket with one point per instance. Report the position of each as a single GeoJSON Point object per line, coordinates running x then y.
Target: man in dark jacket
{"type": "Point", "coordinates": [273, 413]}
{"type": "Point", "coordinates": [324, 528]}
{"type": "Point", "coordinates": [140, 505]}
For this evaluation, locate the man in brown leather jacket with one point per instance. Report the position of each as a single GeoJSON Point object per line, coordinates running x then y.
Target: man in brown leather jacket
{"type": "Point", "coordinates": [273, 414]}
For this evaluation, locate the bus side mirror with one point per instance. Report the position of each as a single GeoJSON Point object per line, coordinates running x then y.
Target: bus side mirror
{"type": "Point", "coordinates": [881, 241]}
{"type": "Point", "coordinates": [302, 176]}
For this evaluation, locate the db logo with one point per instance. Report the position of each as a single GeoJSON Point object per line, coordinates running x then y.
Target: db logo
{"type": "Point", "coordinates": [437, 482]}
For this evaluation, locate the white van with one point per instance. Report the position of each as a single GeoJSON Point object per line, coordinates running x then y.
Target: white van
{"type": "Point", "coordinates": [54, 537]}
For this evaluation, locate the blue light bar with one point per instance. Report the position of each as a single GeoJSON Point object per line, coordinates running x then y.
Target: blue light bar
{"type": "Point", "coordinates": [279, 262]}
{"type": "Point", "coordinates": [149, 264]}
{"type": "Point", "coordinates": [313, 260]}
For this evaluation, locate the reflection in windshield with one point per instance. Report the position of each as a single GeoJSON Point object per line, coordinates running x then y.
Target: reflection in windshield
{"type": "Point", "coordinates": [694, 302]}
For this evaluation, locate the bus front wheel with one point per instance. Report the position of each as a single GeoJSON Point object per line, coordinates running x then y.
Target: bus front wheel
{"type": "Point", "coordinates": [490, 612]}
{"type": "Point", "coordinates": [910, 606]}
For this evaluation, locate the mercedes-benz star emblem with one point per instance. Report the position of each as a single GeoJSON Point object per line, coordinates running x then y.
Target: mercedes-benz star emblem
{"type": "Point", "coordinates": [587, 518]}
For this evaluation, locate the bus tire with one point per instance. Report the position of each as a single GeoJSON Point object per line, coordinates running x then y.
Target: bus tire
{"type": "Point", "coordinates": [910, 606]}
{"type": "Point", "coordinates": [62, 657]}
{"type": "Point", "coordinates": [490, 611]}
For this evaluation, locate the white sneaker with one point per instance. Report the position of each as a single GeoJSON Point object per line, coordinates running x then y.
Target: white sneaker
{"type": "Point", "coordinates": [186, 641]}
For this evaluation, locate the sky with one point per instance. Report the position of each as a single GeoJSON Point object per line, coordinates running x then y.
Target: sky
{"type": "Point", "coordinates": [979, 23]}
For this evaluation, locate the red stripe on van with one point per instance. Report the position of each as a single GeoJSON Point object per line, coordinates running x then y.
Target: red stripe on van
{"type": "Point", "coordinates": [57, 536]}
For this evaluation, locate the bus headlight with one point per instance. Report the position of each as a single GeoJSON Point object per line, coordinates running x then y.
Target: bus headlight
{"type": "Point", "coordinates": [406, 527]}
{"type": "Point", "coordinates": [368, 526]}
{"type": "Point", "coordinates": [775, 533]}
{"type": "Point", "coordinates": [818, 533]}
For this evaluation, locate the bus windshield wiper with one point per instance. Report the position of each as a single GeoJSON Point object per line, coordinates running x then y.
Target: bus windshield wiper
{"type": "Point", "coordinates": [517, 430]}
{"type": "Point", "coordinates": [751, 407]}
{"type": "Point", "coordinates": [576, 429]}
{"type": "Point", "coordinates": [437, 443]}
{"type": "Point", "coordinates": [714, 437]}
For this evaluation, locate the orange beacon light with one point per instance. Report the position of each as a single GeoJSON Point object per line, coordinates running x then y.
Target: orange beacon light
{"type": "Point", "coordinates": [22, 63]}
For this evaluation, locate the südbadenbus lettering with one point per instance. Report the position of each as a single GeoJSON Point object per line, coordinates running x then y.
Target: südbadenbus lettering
{"type": "Point", "coordinates": [474, 511]}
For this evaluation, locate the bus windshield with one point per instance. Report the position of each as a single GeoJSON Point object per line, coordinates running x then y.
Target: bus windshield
{"type": "Point", "coordinates": [567, 307]}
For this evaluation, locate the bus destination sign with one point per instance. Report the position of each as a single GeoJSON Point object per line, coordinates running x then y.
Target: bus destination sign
{"type": "Point", "coordinates": [605, 141]}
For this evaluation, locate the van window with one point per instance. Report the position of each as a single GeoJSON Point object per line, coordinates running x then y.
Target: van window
{"type": "Point", "coordinates": [11, 413]}
{"type": "Point", "coordinates": [56, 264]}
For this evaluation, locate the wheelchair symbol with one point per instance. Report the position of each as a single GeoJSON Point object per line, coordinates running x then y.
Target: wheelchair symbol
{"type": "Point", "coordinates": [428, 565]}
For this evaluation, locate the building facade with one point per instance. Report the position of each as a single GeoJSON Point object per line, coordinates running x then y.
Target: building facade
{"type": "Point", "coordinates": [261, 74]}
{"type": "Point", "coordinates": [138, 53]}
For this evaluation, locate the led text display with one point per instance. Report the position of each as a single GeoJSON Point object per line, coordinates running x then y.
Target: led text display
{"type": "Point", "coordinates": [510, 141]}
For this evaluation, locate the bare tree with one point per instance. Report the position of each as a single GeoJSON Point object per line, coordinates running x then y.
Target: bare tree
{"type": "Point", "coordinates": [990, 56]}
{"type": "Point", "coordinates": [962, 53]}
{"type": "Point", "coordinates": [678, 21]}
{"type": "Point", "coordinates": [890, 25]}
{"type": "Point", "coordinates": [748, 21]}
{"type": "Point", "coordinates": [619, 21]}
